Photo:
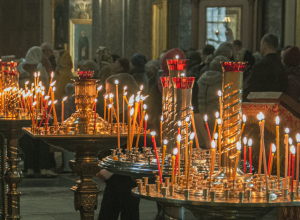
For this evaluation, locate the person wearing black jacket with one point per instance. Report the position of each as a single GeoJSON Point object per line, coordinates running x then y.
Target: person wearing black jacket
{"type": "Point", "coordinates": [269, 75]}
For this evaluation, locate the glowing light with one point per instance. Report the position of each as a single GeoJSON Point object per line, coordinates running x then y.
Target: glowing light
{"type": "Point", "coordinates": [176, 57]}
{"type": "Point", "coordinates": [245, 140]}
{"type": "Point", "coordinates": [99, 88]}
{"type": "Point", "coordinates": [298, 138]}
{"type": "Point", "coordinates": [244, 118]}
{"type": "Point", "coordinates": [277, 120]}
{"type": "Point", "coordinates": [131, 112]}
{"type": "Point", "coordinates": [153, 133]}
{"type": "Point", "coordinates": [146, 117]}
{"type": "Point", "coordinates": [117, 82]}
{"type": "Point", "coordinates": [95, 100]}
{"type": "Point", "coordinates": [145, 106]}
{"type": "Point", "coordinates": [219, 93]}
{"type": "Point", "coordinates": [125, 87]}
{"type": "Point", "coordinates": [165, 142]}
{"type": "Point", "coordinates": [65, 98]}
{"type": "Point", "coordinates": [238, 146]}
{"type": "Point", "coordinates": [290, 141]}
{"type": "Point", "coordinates": [131, 100]}
{"type": "Point", "coordinates": [179, 137]}
{"type": "Point", "coordinates": [142, 87]}
{"type": "Point", "coordinates": [216, 135]}
{"type": "Point", "coordinates": [187, 119]}
{"type": "Point", "coordinates": [192, 136]}
{"type": "Point", "coordinates": [205, 118]}
{"type": "Point", "coordinates": [161, 118]}
{"type": "Point", "coordinates": [213, 144]}
{"type": "Point", "coordinates": [250, 142]}
{"type": "Point", "coordinates": [293, 149]}
{"type": "Point", "coordinates": [219, 121]}
{"type": "Point", "coordinates": [175, 151]}
{"type": "Point", "coordinates": [217, 114]}
{"type": "Point", "coordinates": [273, 148]}
{"type": "Point", "coordinates": [49, 103]}
{"type": "Point", "coordinates": [287, 130]}
{"type": "Point", "coordinates": [179, 123]}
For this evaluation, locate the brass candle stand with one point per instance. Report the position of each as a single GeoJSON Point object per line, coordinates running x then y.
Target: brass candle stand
{"type": "Point", "coordinates": [228, 194]}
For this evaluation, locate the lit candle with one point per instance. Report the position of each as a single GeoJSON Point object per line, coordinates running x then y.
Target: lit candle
{"type": "Point", "coordinates": [140, 128]}
{"type": "Point", "coordinates": [178, 154]}
{"type": "Point", "coordinates": [26, 83]}
{"type": "Point", "coordinates": [105, 98]}
{"type": "Point", "coordinates": [207, 128]}
{"type": "Point", "coordinates": [260, 117]}
{"type": "Point", "coordinates": [45, 112]}
{"type": "Point", "coordinates": [38, 77]}
{"type": "Point", "coordinates": [129, 128]}
{"type": "Point", "coordinates": [161, 123]}
{"type": "Point", "coordinates": [136, 106]}
{"type": "Point", "coordinates": [179, 125]}
{"type": "Point", "coordinates": [290, 156]}
{"type": "Point", "coordinates": [124, 90]}
{"type": "Point", "coordinates": [245, 151]}
{"type": "Point", "coordinates": [250, 156]}
{"type": "Point", "coordinates": [277, 120]}
{"type": "Point", "coordinates": [271, 164]}
{"type": "Point", "coordinates": [62, 108]}
{"type": "Point", "coordinates": [142, 103]}
{"type": "Point", "coordinates": [186, 146]}
{"type": "Point", "coordinates": [49, 103]}
{"type": "Point", "coordinates": [53, 106]}
{"type": "Point", "coordinates": [244, 122]}
{"type": "Point", "coordinates": [118, 122]}
{"type": "Point", "coordinates": [216, 122]}
{"type": "Point", "coordinates": [108, 114]}
{"type": "Point", "coordinates": [286, 142]}
{"type": "Point", "coordinates": [35, 80]}
{"type": "Point", "coordinates": [164, 155]}
{"type": "Point", "coordinates": [270, 155]}
{"type": "Point", "coordinates": [293, 166]}
{"type": "Point", "coordinates": [219, 141]}
{"type": "Point", "coordinates": [238, 147]}
{"type": "Point", "coordinates": [190, 158]}
{"type": "Point", "coordinates": [34, 105]}
{"type": "Point", "coordinates": [194, 129]}
{"type": "Point", "coordinates": [297, 168]}
{"type": "Point", "coordinates": [212, 164]}
{"type": "Point", "coordinates": [95, 118]}
{"type": "Point", "coordinates": [145, 130]}
{"type": "Point", "coordinates": [220, 103]}
{"type": "Point", "coordinates": [173, 166]}
{"type": "Point", "coordinates": [156, 155]}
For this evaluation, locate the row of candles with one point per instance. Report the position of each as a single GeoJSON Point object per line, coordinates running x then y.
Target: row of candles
{"type": "Point", "coordinates": [136, 114]}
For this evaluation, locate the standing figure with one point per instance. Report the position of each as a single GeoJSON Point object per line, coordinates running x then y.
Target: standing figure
{"type": "Point", "coordinates": [83, 47]}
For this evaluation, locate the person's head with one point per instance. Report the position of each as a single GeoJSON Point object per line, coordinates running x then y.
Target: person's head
{"type": "Point", "coordinates": [269, 44]}
{"type": "Point", "coordinates": [138, 61]}
{"type": "Point", "coordinates": [237, 46]}
{"type": "Point", "coordinates": [82, 33]}
{"type": "Point", "coordinates": [34, 55]}
{"type": "Point", "coordinates": [215, 65]}
{"type": "Point", "coordinates": [160, 59]}
{"type": "Point", "coordinates": [115, 57]}
{"type": "Point", "coordinates": [207, 50]}
{"type": "Point", "coordinates": [291, 57]}
{"type": "Point", "coordinates": [194, 57]}
{"type": "Point", "coordinates": [282, 52]}
{"type": "Point", "coordinates": [89, 65]}
{"type": "Point", "coordinates": [152, 68]}
{"type": "Point", "coordinates": [171, 54]}
{"type": "Point", "coordinates": [225, 51]}
{"type": "Point", "coordinates": [47, 49]}
{"type": "Point", "coordinates": [124, 80]}
{"type": "Point", "coordinates": [103, 54]}
{"type": "Point", "coordinates": [121, 65]}
{"type": "Point", "coordinates": [70, 89]}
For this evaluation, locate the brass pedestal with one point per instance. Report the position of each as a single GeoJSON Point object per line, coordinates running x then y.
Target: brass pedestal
{"type": "Point", "coordinates": [86, 149]}
{"type": "Point", "coordinates": [11, 129]}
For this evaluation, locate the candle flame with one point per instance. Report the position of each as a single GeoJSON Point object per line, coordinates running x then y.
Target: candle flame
{"type": "Point", "coordinates": [35, 75]}
{"type": "Point", "coordinates": [277, 120]}
{"type": "Point", "coordinates": [217, 115]}
{"type": "Point", "coordinates": [179, 137]}
{"type": "Point", "coordinates": [138, 97]}
{"type": "Point", "coordinates": [192, 108]}
{"type": "Point", "coordinates": [179, 123]}
{"type": "Point", "coordinates": [131, 112]}
{"type": "Point", "coordinates": [65, 98]}
{"type": "Point", "coordinates": [192, 136]}
{"type": "Point", "coordinates": [161, 118]}
{"type": "Point", "coordinates": [187, 119]}
{"type": "Point", "coordinates": [49, 103]}
{"type": "Point", "coordinates": [213, 144]}
{"type": "Point", "coordinates": [110, 105]}
{"type": "Point", "coordinates": [146, 117]}
{"type": "Point", "coordinates": [298, 138]}
{"type": "Point", "coordinates": [177, 57]}
{"type": "Point", "coordinates": [238, 146]}
{"type": "Point", "coordinates": [131, 100]}
{"type": "Point", "coordinates": [175, 151]}
{"type": "Point", "coordinates": [262, 116]}
{"type": "Point", "coordinates": [106, 96]}
{"type": "Point", "coordinates": [125, 94]}
{"type": "Point", "coordinates": [47, 97]}
{"type": "Point", "coordinates": [165, 142]}
{"type": "Point", "coordinates": [216, 135]}
{"type": "Point", "coordinates": [52, 84]}
{"type": "Point", "coordinates": [219, 93]}
{"type": "Point", "coordinates": [153, 133]}
{"type": "Point", "coordinates": [32, 84]}
{"type": "Point", "coordinates": [34, 103]}
{"type": "Point", "coordinates": [111, 95]}
{"type": "Point", "coordinates": [53, 89]}
{"type": "Point", "coordinates": [143, 97]}
{"type": "Point", "coordinates": [125, 87]}
{"type": "Point", "coordinates": [273, 148]}
{"type": "Point", "coordinates": [141, 87]}
{"type": "Point", "coordinates": [245, 140]}
{"type": "Point", "coordinates": [250, 142]}
{"type": "Point", "coordinates": [52, 74]}
{"type": "Point", "coordinates": [99, 88]}
{"type": "Point", "coordinates": [27, 82]}
{"type": "Point", "coordinates": [182, 74]}
{"type": "Point", "coordinates": [117, 82]}
{"type": "Point", "coordinates": [55, 102]}
{"type": "Point", "coordinates": [95, 100]}
{"type": "Point", "coordinates": [290, 141]}
{"type": "Point", "coordinates": [287, 130]}
{"type": "Point", "coordinates": [205, 118]}
{"type": "Point", "coordinates": [244, 119]}
{"type": "Point", "coordinates": [145, 106]}
{"type": "Point", "coordinates": [259, 117]}
{"type": "Point", "coordinates": [293, 149]}
{"type": "Point", "coordinates": [39, 73]}
{"type": "Point", "coordinates": [219, 121]}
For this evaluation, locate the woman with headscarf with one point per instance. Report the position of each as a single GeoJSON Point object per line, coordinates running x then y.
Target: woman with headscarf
{"type": "Point", "coordinates": [35, 61]}
{"type": "Point", "coordinates": [291, 59]}
{"type": "Point", "coordinates": [138, 71]}
{"type": "Point", "coordinates": [64, 67]}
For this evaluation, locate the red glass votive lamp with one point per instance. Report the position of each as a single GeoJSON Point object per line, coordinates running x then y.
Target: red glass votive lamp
{"type": "Point", "coordinates": [86, 74]}
{"type": "Point", "coordinates": [234, 66]}
{"type": "Point", "coordinates": [177, 65]}
{"type": "Point", "coordinates": [183, 82]}
{"type": "Point", "coordinates": [165, 81]}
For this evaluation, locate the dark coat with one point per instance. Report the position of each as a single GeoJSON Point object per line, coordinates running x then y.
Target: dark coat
{"type": "Point", "coordinates": [269, 75]}
{"type": "Point", "coordinates": [293, 88]}
{"type": "Point", "coordinates": [141, 79]}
